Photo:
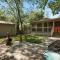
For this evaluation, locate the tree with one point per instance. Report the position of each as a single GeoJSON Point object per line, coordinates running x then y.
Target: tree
{"type": "Point", "coordinates": [42, 3]}
{"type": "Point", "coordinates": [38, 3]}
{"type": "Point", "coordinates": [55, 6]}
{"type": "Point", "coordinates": [35, 16]}
{"type": "Point", "coordinates": [15, 9]}
{"type": "Point", "coordinates": [18, 2]}
{"type": "Point", "coordinates": [2, 15]}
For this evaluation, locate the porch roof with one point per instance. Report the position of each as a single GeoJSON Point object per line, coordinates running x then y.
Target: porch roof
{"type": "Point", "coordinates": [47, 20]}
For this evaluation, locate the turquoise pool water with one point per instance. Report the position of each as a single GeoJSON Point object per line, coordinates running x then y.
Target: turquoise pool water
{"type": "Point", "coordinates": [49, 55]}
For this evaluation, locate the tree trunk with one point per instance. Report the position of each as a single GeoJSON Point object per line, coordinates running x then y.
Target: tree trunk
{"type": "Point", "coordinates": [19, 18]}
{"type": "Point", "coordinates": [17, 28]}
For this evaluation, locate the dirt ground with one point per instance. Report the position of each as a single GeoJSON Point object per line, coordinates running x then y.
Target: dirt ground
{"type": "Point", "coordinates": [26, 51]}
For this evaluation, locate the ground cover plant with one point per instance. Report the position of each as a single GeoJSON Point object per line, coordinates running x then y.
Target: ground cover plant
{"type": "Point", "coordinates": [30, 38]}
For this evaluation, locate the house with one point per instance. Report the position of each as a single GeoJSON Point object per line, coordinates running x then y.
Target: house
{"type": "Point", "coordinates": [7, 27]}
{"type": "Point", "coordinates": [46, 26]}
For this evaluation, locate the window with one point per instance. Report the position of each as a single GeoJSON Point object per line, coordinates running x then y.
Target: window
{"type": "Point", "coordinates": [49, 29]}
{"type": "Point", "coordinates": [39, 25]}
{"type": "Point", "coordinates": [33, 29]}
{"type": "Point", "coordinates": [45, 24]}
{"type": "Point", "coordinates": [45, 29]}
{"type": "Point", "coordinates": [39, 29]}
{"type": "Point", "coordinates": [33, 24]}
{"type": "Point", "coordinates": [50, 24]}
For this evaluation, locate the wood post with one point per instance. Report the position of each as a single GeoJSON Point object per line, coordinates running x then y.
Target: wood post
{"type": "Point", "coordinates": [52, 31]}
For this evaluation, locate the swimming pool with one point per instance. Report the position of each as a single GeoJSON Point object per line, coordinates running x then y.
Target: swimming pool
{"type": "Point", "coordinates": [50, 55]}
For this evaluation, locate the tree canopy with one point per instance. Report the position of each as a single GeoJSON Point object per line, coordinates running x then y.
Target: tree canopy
{"type": "Point", "coordinates": [2, 15]}
{"type": "Point", "coordinates": [55, 6]}
{"type": "Point", "coordinates": [16, 9]}
{"type": "Point", "coordinates": [35, 16]}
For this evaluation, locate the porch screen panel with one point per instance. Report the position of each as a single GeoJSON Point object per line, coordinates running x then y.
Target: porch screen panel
{"type": "Point", "coordinates": [50, 26]}
{"type": "Point", "coordinates": [45, 24]}
{"type": "Point", "coordinates": [45, 27]}
{"type": "Point", "coordinates": [39, 29]}
{"type": "Point", "coordinates": [39, 25]}
{"type": "Point", "coordinates": [34, 29]}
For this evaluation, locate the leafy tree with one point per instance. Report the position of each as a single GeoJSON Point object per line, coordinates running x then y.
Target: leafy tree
{"type": "Point", "coordinates": [55, 6]}
{"type": "Point", "coordinates": [2, 16]}
{"type": "Point", "coordinates": [15, 9]}
{"type": "Point", "coordinates": [35, 16]}
{"type": "Point", "coordinates": [42, 3]}
{"type": "Point", "coordinates": [38, 3]}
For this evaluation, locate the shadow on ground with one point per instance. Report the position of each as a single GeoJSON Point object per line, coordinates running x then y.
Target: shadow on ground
{"type": "Point", "coordinates": [24, 51]}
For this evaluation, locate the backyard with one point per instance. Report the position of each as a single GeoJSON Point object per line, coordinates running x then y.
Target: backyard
{"type": "Point", "coordinates": [29, 29]}
{"type": "Point", "coordinates": [30, 48]}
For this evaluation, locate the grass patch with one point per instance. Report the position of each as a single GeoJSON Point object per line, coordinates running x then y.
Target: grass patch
{"type": "Point", "coordinates": [1, 39]}
{"type": "Point", "coordinates": [28, 38]}
{"type": "Point", "coordinates": [35, 39]}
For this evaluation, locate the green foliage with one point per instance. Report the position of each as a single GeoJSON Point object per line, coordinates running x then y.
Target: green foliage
{"type": "Point", "coordinates": [35, 16]}
{"type": "Point", "coordinates": [2, 15]}
{"type": "Point", "coordinates": [12, 9]}
{"type": "Point", "coordinates": [55, 6]}
{"type": "Point", "coordinates": [31, 39]}
{"type": "Point", "coordinates": [1, 39]}
{"type": "Point", "coordinates": [39, 3]}
{"type": "Point", "coordinates": [28, 38]}
{"type": "Point", "coordinates": [42, 3]}
{"type": "Point", "coordinates": [34, 39]}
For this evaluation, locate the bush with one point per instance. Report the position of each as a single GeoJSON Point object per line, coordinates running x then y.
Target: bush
{"type": "Point", "coordinates": [34, 39]}
{"type": "Point", "coordinates": [29, 38]}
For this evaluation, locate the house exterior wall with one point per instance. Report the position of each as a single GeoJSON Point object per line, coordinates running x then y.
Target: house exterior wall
{"type": "Point", "coordinates": [4, 28]}
{"type": "Point", "coordinates": [46, 27]}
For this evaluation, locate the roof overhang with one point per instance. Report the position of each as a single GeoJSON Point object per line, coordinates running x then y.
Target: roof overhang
{"type": "Point", "coordinates": [47, 20]}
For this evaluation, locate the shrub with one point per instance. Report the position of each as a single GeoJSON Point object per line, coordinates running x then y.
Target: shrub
{"type": "Point", "coordinates": [34, 39]}
{"type": "Point", "coordinates": [30, 38]}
